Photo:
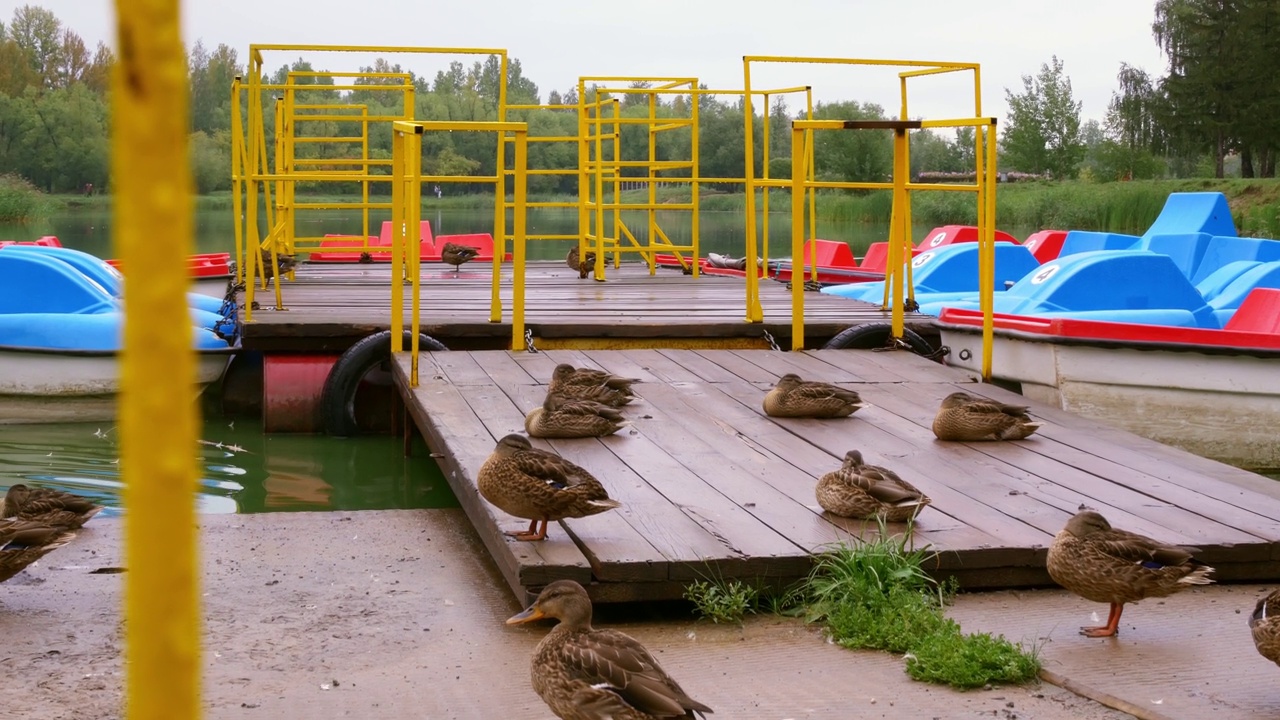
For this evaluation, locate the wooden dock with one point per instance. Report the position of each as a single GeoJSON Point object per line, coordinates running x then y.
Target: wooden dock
{"type": "Point", "coordinates": [330, 306]}
{"type": "Point", "coordinates": [711, 487]}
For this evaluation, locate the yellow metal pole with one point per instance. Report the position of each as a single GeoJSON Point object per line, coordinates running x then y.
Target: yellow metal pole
{"type": "Point", "coordinates": [617, 179]}
{"type": "Point", "coordinates": [237, 176]}
{"type": "Point", "coordinates": [813, 198]}
{"type": "Point", "coordinates": [499, 201]}
{"type": "Point", "coordinates": [518, 238]}
{"type": "Point", "coordinates": [764, 174]}
{"type": "Point", "coordinates": [653, 183]}
{"type": "Point", "coordinates": [754, 312]}
{"type": "Point", "coordinates": [599, 189]}
{"type": "Point", "coordinates": [799, 153]}
{"type": "Point", "coordinates": [253, 132]}
{"type": "Point", "coordinates": [694, 173]}
{"type": "Point", "coordinates": [906, 208]}
{"type": "Point", "coordinates": [413, 206]}
{"type": "Point", "coordinates": [398, 222]}
{"type": "Point", "coordinates": [988, 289]}
{"type": "Point", "coordinates": [364, 184]}
{"type": "Point", "coordinates": [158, 420]}
{"type": "Point", "coordinates": [898, 234]}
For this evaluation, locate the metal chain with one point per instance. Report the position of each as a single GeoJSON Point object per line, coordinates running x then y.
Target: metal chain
{"type": "Point", "coordinates": [773, 345]}
{"type": "Point", "coordinates": [528, 340]}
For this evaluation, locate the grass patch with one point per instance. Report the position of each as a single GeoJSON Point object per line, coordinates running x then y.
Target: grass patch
{"type": "Point", "coordinates": [720, 601]}
{"type": "Point", "coordinates": [21, 202]}
{"type": "Point", "coordinates": [876, 595]}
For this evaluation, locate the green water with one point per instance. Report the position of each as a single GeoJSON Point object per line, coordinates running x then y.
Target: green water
{"type": "Point", "coordinates": [241, 469]}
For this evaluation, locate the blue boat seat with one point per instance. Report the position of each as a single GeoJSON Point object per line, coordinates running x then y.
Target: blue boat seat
{"type": "Point", "coordinates": [1078, 241]}
{"type": "Point", "coordinates": [1225, 249]}
{"type": "Point", "coordinates": [948, 269]}
{"type": "Point", "coordinates": [1186, 249]}
{"type": "Point", "coordinates": [1228, 299]}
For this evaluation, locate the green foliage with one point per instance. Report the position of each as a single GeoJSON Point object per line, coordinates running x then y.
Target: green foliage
{"type": "Point", "coordinates": [971, 661]}
{"type": "Point", "coordinates": [1042, 133]}
{"type": "Point", "coordinates": [876, 595]}
{"type": "Point", "coordinates": [20, 201]}
{"type": "Point", "coordinates": [720, 601]}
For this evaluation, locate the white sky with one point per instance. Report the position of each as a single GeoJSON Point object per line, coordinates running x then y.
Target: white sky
{"type": "Point", "coordinates": [557, 41]}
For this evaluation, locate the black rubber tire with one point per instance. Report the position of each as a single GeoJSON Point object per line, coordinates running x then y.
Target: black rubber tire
{"type": "Point", "coordinates": [876, 335]}
{"type": "Point", "coordinates": [338, 399]}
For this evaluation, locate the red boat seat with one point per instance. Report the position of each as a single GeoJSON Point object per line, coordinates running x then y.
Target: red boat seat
{"type": "Point", "coordinates": [1260, 312]}
{"type": "Point", "coordinates": [1046, 244]}
{"type": "Point", "coordinates": [952, 234]}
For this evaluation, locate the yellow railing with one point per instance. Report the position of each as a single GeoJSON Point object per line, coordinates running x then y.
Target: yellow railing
{"type": "Point", "coordinates": [251, 174]}
{"type": "Point", "coordinates": [158, 410]}
{"type": "Point", "coordinates": [406, 209]}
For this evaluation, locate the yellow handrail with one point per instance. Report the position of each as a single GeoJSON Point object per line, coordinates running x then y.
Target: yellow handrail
{"type": "Point", "coordinates": [158, 413]}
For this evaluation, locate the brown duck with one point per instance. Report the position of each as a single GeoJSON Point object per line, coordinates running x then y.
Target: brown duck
{"type": "Point", "coordinates": [1102, 564]}
{"type": "Point", "coordinates": [23, 542]}
{"type": "Point", "coordinates": [583, 673]}
{"type": "Point", "coordinates": [1265, 626]}
{"type": "Point", "coordinates": [583, 265]}
{"type": "Point", "coordinates": [48, 506]}
{"type": "Point", "coordinates": [456, 255]}
{"type": "Point", "coordinates": [588, 384]}
{"type": "Point", "coordinates": [858, 490]}
{"type": "Point", "coordinates": [966, 417]}
{"type": "Point", "coordinates": [526, 482]}
{"type": "Point", "coordinates": [562, 416]}
{"type": "Point", "coordinates": [286, 263]}
{"type": "Point", "coordinates": [796, 398]}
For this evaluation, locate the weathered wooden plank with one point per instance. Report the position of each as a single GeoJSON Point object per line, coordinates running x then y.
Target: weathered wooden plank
{"type": "Point", "coordinates": [503, 369]}
{"type": "Point", "coordinates": [704, 369]}
{"type": "Point", "coordinates": [780, 363]}
{"type": "Point", "coordinates": [661, 367]}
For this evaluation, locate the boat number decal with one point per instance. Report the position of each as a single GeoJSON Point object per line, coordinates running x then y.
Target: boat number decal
{"type": "Point", "coordinates": [921, 259]}
{"type": "Point", "coordinates": [938, 239]}
{"type": "Point", "coordinates": [1032, 243]}
{"type": "Point", "coordinates": [1044, 274]}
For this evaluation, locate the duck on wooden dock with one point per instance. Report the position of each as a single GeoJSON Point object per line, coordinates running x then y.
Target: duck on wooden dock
{"type": "Point", "coordinates": [531, 483]}
{"type": "Point", "coordinates": [562, 416]}
{"type": "Point", "coordinates": [23, 542]}
{"type": "Point", "coordinates": [456, 254]}
{"type": "Point", "coordinates": [48, 506]}
{"type": "Point", "coordinates": [589, 384]}
{"type": "Point", "coordinates": [793, 397]}
{"type": "Point", "coordinates": [285, 261]}
{"type": "Point", "coordinates": [583, 265]}
{"type": "Point", "coordinates": [966, 417]}
{"type": "Point", "coordinates": [583, 672]}
{"type": "Point", "coordinates": [858, 490]}
{"type": "Point", "coordinates": [1264, 624]}
{"type": "Point", "coordinates": [1102, 564]}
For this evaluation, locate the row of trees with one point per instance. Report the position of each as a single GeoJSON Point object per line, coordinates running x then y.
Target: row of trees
{"type": "Point", "coordinates": [1218, 98]}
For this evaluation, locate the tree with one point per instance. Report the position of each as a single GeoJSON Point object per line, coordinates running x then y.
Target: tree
{"type": "Point", "coordinates": [1042, 129]}
{"type": "Point", "coordinates": [38, 34]}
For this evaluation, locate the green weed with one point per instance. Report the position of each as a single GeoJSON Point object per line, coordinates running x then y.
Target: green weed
{"type": "Point", "coordinates": [22, 202]}
{"type": "Point", "coordinates": [720, 601]}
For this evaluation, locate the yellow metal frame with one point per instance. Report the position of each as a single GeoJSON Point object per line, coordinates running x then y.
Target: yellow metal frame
{"type": "Point", "coordinates": [158, 413]}
{"type": "Point", "coordinates": [898, 268]}
{"type": "Point", "coordinates": [406, 210]}
{"type": "Point", "coordinates": [249, 155]}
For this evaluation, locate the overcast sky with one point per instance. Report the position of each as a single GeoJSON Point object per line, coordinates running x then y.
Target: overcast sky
{"type": "Point", "coordinates": [557, 41]}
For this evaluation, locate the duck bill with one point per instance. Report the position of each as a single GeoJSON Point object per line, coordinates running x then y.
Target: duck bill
{"type": "Point", "coordinates": [529, 615]}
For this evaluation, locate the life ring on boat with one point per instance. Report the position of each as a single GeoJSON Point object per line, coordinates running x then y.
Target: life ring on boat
{"type": "Point", "coordinates": [877, 335]}
{"type": "Point", "coordinates": [338, 399]}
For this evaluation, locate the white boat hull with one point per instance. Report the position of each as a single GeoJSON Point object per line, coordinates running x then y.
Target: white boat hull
{"type": "Point", "coordinates": [1219, 405]}
{"type": "Point", "coordinates": [48, 387]}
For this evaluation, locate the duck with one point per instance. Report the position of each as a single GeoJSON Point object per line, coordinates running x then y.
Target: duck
{"type": "Point", "coordinates": [531, 483]}
{"type": "Point", "coordinates": [284, 261]}
{"type": "Point", "coordinates": [1099, 563]}
{"type": "Point", "coordinates": [1265, 626]}
{"type": "Point", "coordinates": [858, 490]}
{"type": "Point", "coordinates": [562, 416]}
{"type": "Point", "coordinates": [582, 672]}
{"type": "Point", "coordinates": [48, 505]}
{"type": "Point", "coordinates": [966, 417]}
{"type": "Point", "coordinates": [583, 265]}
{"type": "Point", "coordinates": [796, 398]}
{"type": "Point", "coordinates": [596, 385]}
{"type": "Point", "coordinates": [456, 255]}
{"type": "Point", "coordinates": [23, 542]}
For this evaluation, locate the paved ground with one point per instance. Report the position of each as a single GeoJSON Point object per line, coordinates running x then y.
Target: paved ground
{"type": "Point", "coordinates": [399, 614]}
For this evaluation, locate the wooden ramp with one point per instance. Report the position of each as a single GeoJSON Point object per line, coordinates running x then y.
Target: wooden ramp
{"type": "Point", "coordinates": [328, 307]}
{"type": "Point", "coordinates": [711, 487]}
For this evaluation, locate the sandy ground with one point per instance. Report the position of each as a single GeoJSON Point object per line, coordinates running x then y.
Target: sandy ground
{"type": "Point", "coordinates": [399, 614]}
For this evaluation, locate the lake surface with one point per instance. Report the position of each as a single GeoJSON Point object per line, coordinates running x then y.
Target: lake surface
{"type": "Point", "coordinates": [89, 229]}
{"type": "Point", "coordinates": [242, 470]}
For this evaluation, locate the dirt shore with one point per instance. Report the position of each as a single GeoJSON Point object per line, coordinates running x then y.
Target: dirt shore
{"type": "Point", "coordinates": [399, 614]}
